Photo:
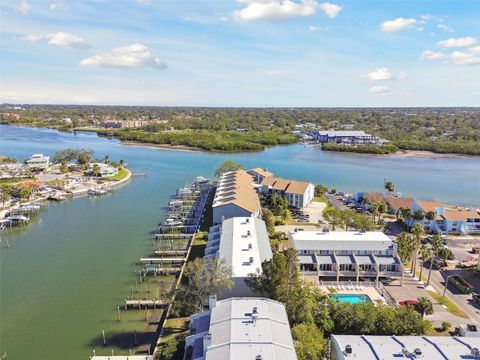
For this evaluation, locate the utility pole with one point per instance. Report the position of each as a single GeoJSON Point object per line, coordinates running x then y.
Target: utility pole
{"type": "Point", "coordinates": [445, 288]}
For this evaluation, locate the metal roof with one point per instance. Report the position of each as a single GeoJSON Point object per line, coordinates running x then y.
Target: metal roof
{"type": "Point", "coordinates": [403, 347]}
{"type": "Point", "coordinates": [341, 240]}
{"type": "Point", "coordinates": [364, 259]}
{"type": "Point", "coordinates": [242, 252]}
{"type": "Point", "coordinates": [236, 336]}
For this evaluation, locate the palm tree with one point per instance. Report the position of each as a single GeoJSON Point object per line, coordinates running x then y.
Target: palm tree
{"type": "Point", "coordinates": [96, 170]}
{"type": "Point", "coordinates": [417, 231]}
{"type": "Point", "coordinates": [425, 253]}
{"type": "Point", "coordinates": [436, 244]}
{"type": "Point", "coordinates": [374, 209]}
{"type": "Point", "coordinates": [424, 306]}
{"type": "Point", "coordinates": [382, 208]}
{"type": "Point", "coordinates": [122, 163]}
{"type": "Point", "coordinates": [404, 243]}
{"type": "Point", "coordinates": [390, 186]}
{"type": "Point", "coordinates": [406, 215]}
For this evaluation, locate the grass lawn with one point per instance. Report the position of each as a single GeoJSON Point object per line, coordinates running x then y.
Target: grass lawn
{"type": "Point", "coordinates": [320, 199]}
{"type": "Point", "coordinates": [16, 180]}
{"type": "Point", "coordinates": [120, 175]}
{"type": "Point", "coordinates": [448, 304]}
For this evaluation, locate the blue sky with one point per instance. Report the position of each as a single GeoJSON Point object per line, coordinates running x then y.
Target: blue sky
{"type": "Point", "coordinates": [241, 53]}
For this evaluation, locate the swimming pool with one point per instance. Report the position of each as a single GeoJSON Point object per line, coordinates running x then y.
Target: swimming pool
{"type": "Point", "coordinates": [351, 298]}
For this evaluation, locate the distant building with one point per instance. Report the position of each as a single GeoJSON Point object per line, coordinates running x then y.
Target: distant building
{"type": "Point", "coordinates": [346, 254]}
{"type": "Point", "coordinates": [240, 329]}
{"type": "Point", "coordinates": [348, 137]}
{"type": "Point", "coordinates": [298, 193]}
{"type": "Point", "coordinates": [235, 197]}
{"type": "Point", "coordinates": [38, 162]}
{"type": "Point", "coordinates": [376, 347]}
{"type": "Point", "coordinates": [259, 174]}
{"type": "Point", "coordinates": [244, 244]}
{"type": "Point", "coordinates": [447, 219]}
{"type": "Point", "coordinates": [105, 169]}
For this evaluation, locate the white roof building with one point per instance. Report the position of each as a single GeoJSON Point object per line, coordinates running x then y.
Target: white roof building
{"type": "Point", "coordinates": [375, 347]}
{"type": "Point", "coordinates": [351, 254]}
{"type": "Point", "coordinates": [240, 329]}
{"type": "Point", "coordinates": [38, 161]}
{"type": "Point", "coordinates": [244, 244]}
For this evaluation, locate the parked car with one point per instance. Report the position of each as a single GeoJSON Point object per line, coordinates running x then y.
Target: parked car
{"type": "Point", "coordinates": [408, 303]}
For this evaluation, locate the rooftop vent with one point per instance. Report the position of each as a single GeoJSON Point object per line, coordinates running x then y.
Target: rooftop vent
{"type": "Point", "coordinates": [418, 351]}
{"type": "Point", "coordinates": [247, 220]}
{"type": "Point", "coordinates": [250, 246]}
{"type": "Point", "coordinates": [362, 231]}
{"type": "Point", "coordinates": [475, 352]}
{"type": "Point", "coordinates": [258, 357]}
{"type": "Point", "coordinates": [348, 349]}
{"type": "Point", "coordinates": [251, 260]}
{"type": "Point", "coordinates": [248, 232]}
{"type": "Point", "coordinates": [326, 230]}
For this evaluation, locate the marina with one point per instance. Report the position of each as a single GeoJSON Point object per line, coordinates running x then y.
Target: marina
{"type": "Point", "coordinates": [79, 235]}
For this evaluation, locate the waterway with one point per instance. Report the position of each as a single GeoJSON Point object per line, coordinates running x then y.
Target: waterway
{"type": "Point", "coordinates": [64, 274]}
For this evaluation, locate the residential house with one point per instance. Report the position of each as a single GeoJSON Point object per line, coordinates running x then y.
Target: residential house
{"type": "Point", "coordinates": [259, 174]}
{"type": "Point", "coordinates": [346, 254]}
{"type": "Point", "coordinates": [105, 170]}
{"type": "Point", "coordinates": [240, 328]}
{"type": "Point", "coordinates": [298, 193]}
{"type": "Point", "coordinates": [345, 347]}
{"type": "Point", "coordinates": [235, 196]}
{"type": "Point", "coordinates": [38, 162]}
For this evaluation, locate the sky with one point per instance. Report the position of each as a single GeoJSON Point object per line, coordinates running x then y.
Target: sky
{"type": "Point", "coordinates": [257, 53]}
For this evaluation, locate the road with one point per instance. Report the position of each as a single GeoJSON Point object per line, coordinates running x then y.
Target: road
{"type": "Point", "coordinates": [335, 202]}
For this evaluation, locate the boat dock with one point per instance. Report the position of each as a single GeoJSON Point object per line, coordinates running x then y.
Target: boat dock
{"type": "Point", "coordinates": [144, 304]}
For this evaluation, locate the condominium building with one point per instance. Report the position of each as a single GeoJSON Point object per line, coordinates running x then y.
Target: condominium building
{"type": "Point", "coordinates": [375, 347]}
{"type": "Point", "coordinates": [235, 197]}
{"type": "Point", "coordinates": [298, 193]}
{"type": "Point", "coordinates": [240, 329]}
{"type": "Point", "coordinates": [346, 255]}
{"type": "Point", "coordinates": [259, 174]}
{"type": "Point", "coordinates": [244, 244]}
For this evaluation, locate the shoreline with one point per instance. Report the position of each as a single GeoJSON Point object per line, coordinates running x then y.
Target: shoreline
{"type": "Point", "coordinates": [426, 154]}
{"type": "Point", "coordinates": [168, 147]}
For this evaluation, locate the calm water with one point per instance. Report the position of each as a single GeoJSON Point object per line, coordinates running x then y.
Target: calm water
{"type": "Point", "coordinates": [63, 275]}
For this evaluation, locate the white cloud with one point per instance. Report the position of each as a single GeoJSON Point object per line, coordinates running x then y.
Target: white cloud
{"type": "Point", "coordinates": [313, 28]}
{"type": "Point", "coordinates": [66, 40]}
{"type": "Point", "coordinates": [379, 90]}
{"type": "Point", "coordinates": [474, 50]}
{"type": "Point", "coordinates": [256, 10]}
{"type": "Point", "coordinates": [465, 58]}
{"type": "Point", "coordinates": [127, 57]}
{"type": "Point", "coordinates": [331, 10]}
{"type": "Point", "coordinates": [445, 28]}
{"type": "Point", "coordinates": [475, 93]}
{"type": "Point", "coordinates": [33, 37]}
{"type": "Point", "coordinates": [59, 39]}
{"type": "Point", "coordinates": [397, 24]}
{"type": "Point", "coordinates": [420, 28]}
{"type": "Point", "coordinates": [432, 55]}
{"type": "Point", "coordinates": [426, 17]}
{"type": "Point", "coordinates": [457, 42]}
{"type": "Point", "coordinates": [24, 7]}
{"type": "Point", "coordinates": [379, 74]}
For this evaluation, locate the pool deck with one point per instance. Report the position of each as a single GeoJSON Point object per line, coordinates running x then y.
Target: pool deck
{"type": "Point", "coordinates": [370, 291]}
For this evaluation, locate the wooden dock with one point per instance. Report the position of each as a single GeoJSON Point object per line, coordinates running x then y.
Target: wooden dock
{"type": "Point", "coordinates": [144, 303]}
{"type": "Point", "coordinates": [157, 260]}
{"type": "Point", "coordinates": [167, 253]}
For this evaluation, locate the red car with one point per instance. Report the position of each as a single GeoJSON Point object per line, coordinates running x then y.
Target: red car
{"type": "Point", "coordinates": [408, 303]}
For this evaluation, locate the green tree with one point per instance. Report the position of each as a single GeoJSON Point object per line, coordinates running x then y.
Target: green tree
{"type": "Point", "coordinates": [418, 215]}
{"type": "Point", "coordinates": [96, 170]}
{"type": "Point", "coordinates": [430, 215]}
{"type": "Point", "coordinates": [320, 190]}
{"type": "Point", "coordinates": [278, 204]}
{"type": "Point", "coordinates": [405, 244]}
{"type": "Point", "coordinates": [436, 245]}
{"type": "Point", "coordinates": [390, 186]}
{"type": "Point", "coordinates": [348, 218]}
{"type": "Point", "coordinates": [426, 254]}
{"type": "Point", "coordinates": [417, 231]}
{"type": "Point", "coordinates": [424, 306]}
{"type": "Point", "coordinates": [269, 219]}
{"type": "Point", "coordinates": [333, 216]}
{"type": "Point", "coordinates": [382, 208]}
{"type": "Point", "coordinates": [227, 166]}
{"type": "Point", "coordinates": [64, 167]}
{"type": "Point", "coordinates": [169, 348]}
{"type": "Point", "coordinates": [309, 341]}
{"type": "Point", "coordinates": [205, 277]}
{"type": "Point", "coordinates": [406, 214]}
{"type": "Point", "coordinates": [5, 195]}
